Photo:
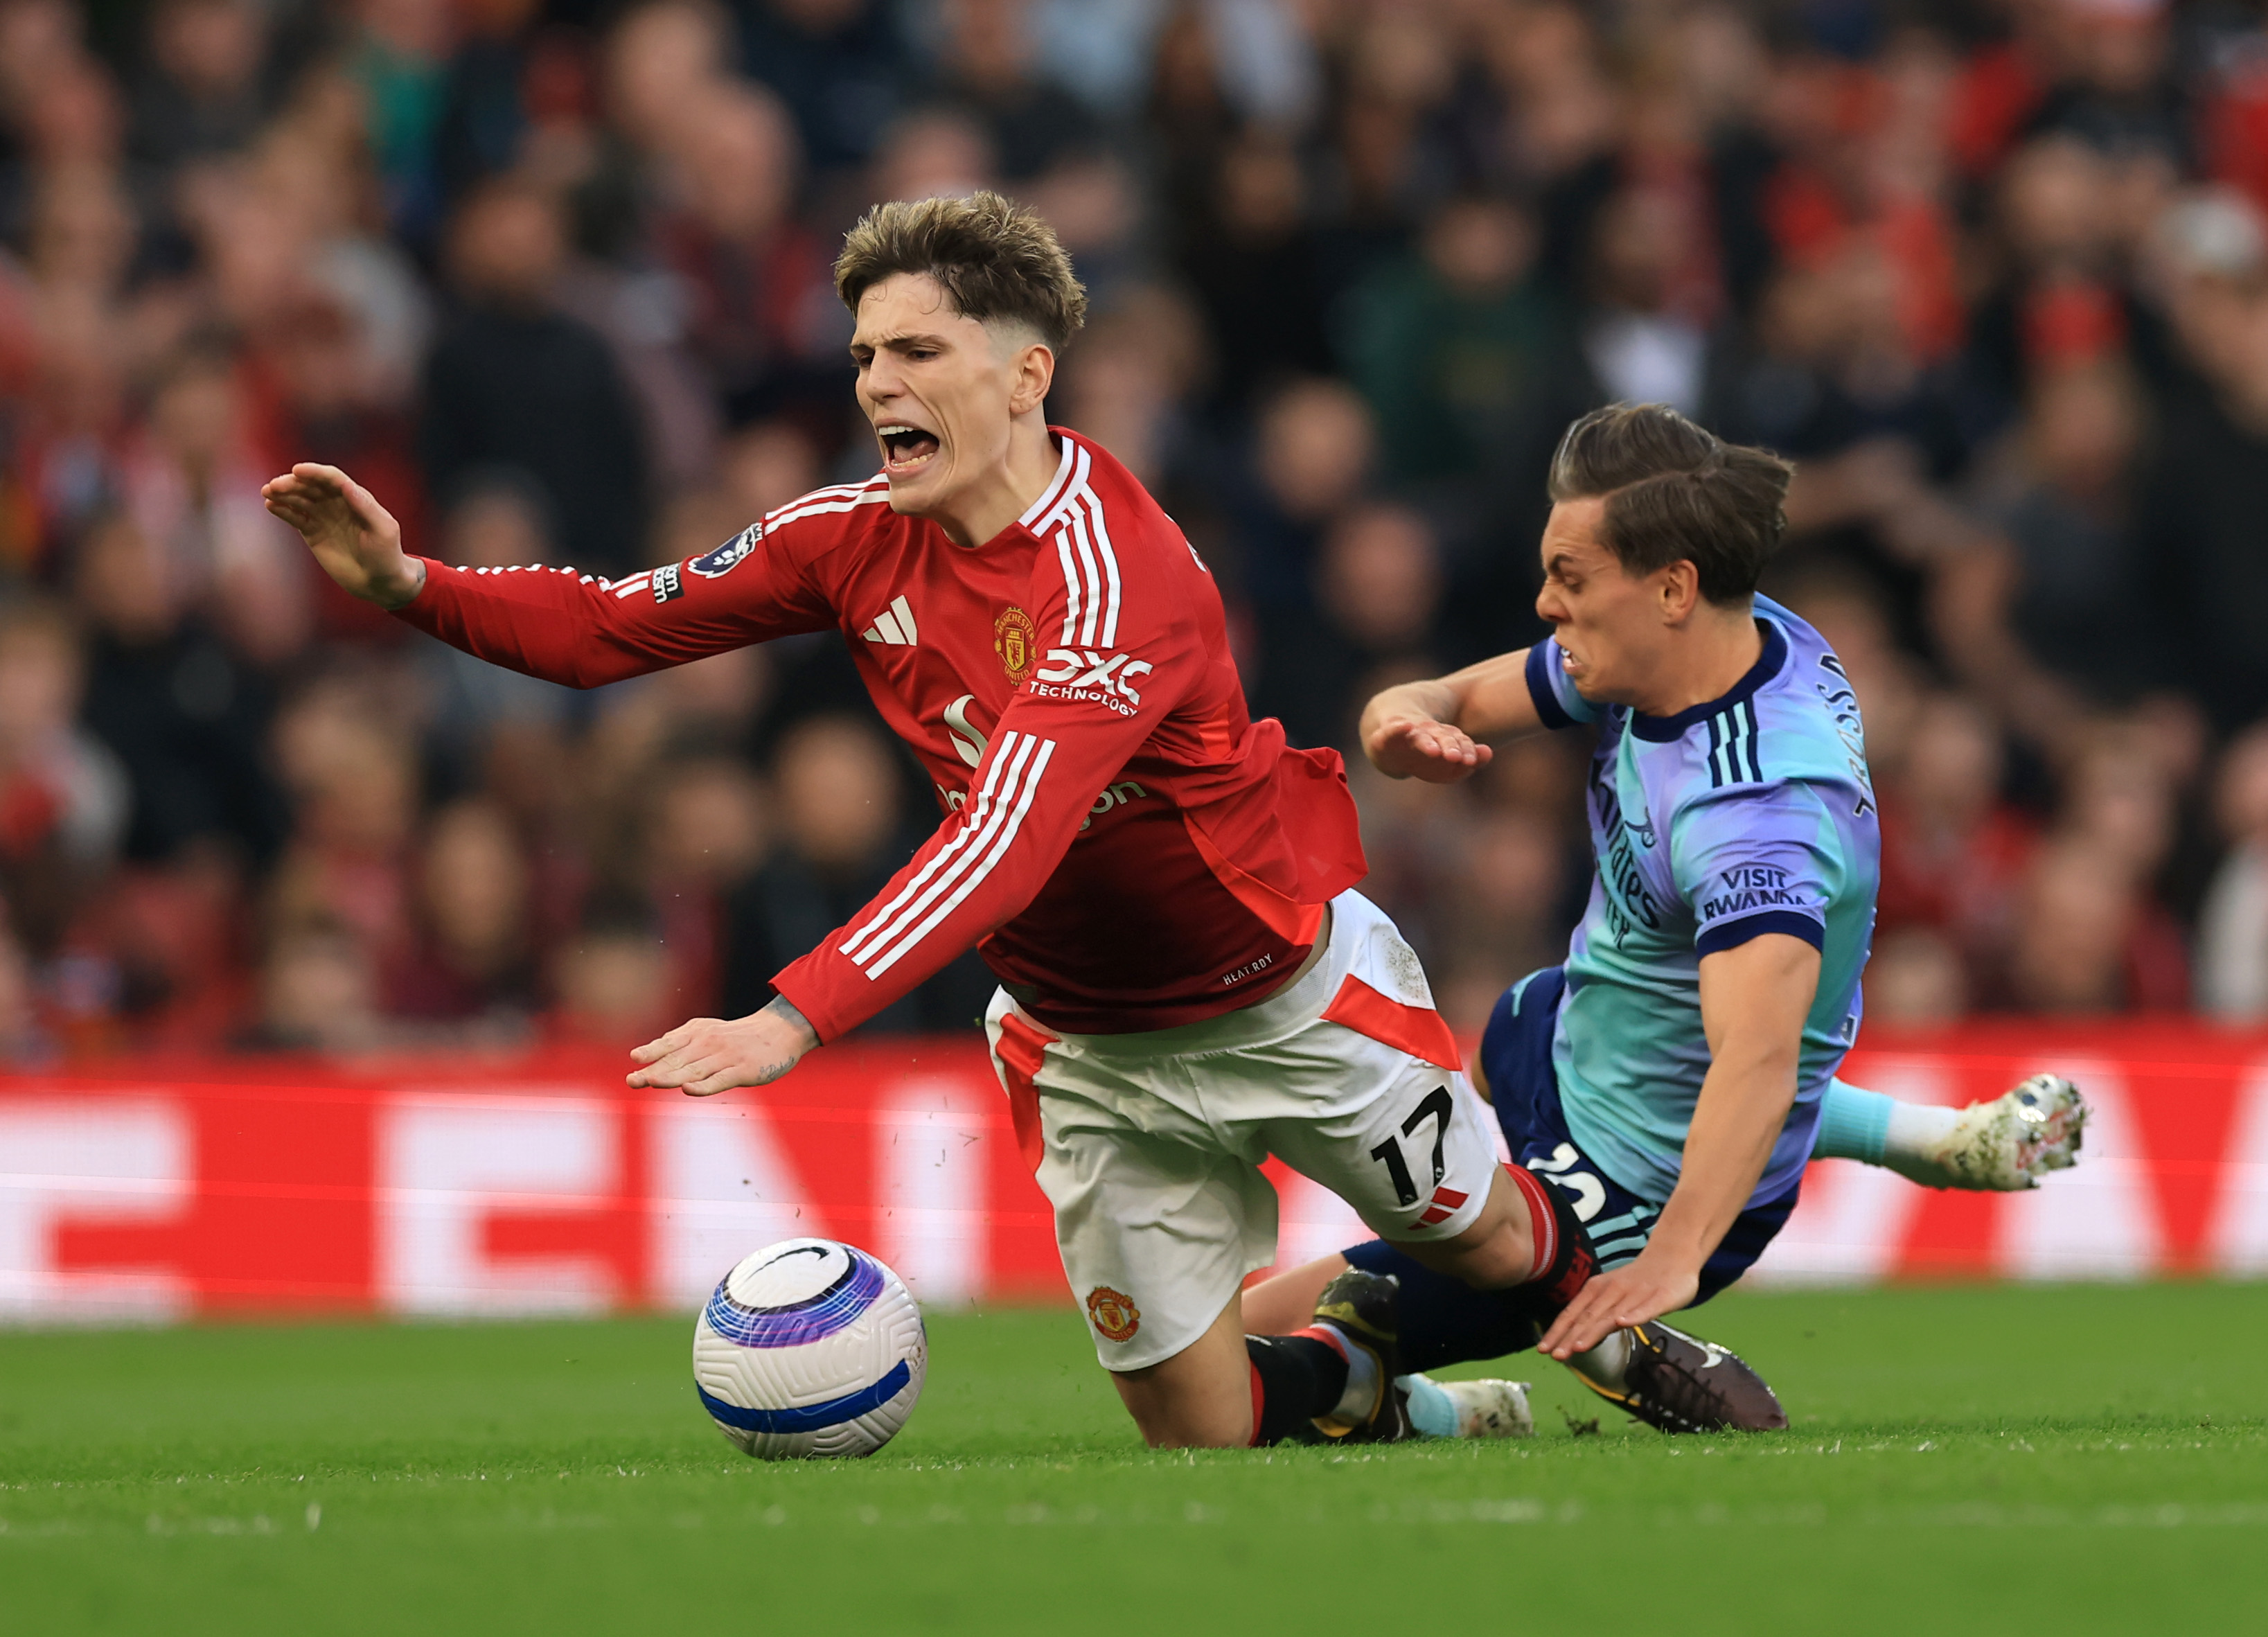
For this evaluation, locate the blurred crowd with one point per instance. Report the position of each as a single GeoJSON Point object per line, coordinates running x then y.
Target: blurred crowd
{"type": "Point", "coordinates": [551, 277]}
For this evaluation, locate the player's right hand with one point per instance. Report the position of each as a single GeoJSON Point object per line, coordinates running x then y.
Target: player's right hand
{"type": "Point", "coordinates": [710, 1054]}
{"type": "Point", "coordinates": [355, 539]}
{"type": "Point", "coordinates": [1424, 748]}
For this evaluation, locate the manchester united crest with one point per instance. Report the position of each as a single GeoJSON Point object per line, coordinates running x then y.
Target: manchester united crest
{"type": "Point", "coordinates": [1015, 639]}
{"type": "Point", "coordinates": [1114, 1314]}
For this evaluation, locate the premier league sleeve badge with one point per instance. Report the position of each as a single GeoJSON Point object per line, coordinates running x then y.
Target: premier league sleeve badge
{"type": "Point", "coordinates": [712, 564]}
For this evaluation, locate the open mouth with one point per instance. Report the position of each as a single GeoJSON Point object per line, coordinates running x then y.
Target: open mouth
{"type": "Point", "coordinates": [906, 448]}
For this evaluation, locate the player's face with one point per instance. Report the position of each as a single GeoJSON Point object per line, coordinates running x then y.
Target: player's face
{"type": "Point", "coordinates": [939, 388]}
{"type": "Point", "coordinates": [1608, 621]}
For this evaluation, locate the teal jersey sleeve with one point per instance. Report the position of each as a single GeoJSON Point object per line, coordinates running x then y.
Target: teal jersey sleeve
{"type": "Point", "coordinates": [1557, 702]}
{"type": "Point", "coordinates": [1750, 860]}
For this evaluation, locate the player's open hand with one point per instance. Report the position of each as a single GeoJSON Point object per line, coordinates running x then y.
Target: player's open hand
{"type": "Point", "coordinates": [355, 539]}
{"type": "Point", "coordinates": [1616, 1300]}
{"type": "Point", "coordinates": [709, 1055]}
{"type": "Point", "coordinates": [1419, 748]}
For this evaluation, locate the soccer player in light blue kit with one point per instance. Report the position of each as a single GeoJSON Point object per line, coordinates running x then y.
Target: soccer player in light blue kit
{"type": "Point", "coordinates": [1676, 1075]}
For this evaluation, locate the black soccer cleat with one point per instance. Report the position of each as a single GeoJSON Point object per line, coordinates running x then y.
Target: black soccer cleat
{"type": "Point", "coordinates": [1682, 1384]}
{"type": "Point", "coordinates": [1364, 1309]}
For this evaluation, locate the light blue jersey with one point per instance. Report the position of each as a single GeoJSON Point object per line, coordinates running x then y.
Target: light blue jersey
{"type": "Point", "coordinates": [1748, 815]}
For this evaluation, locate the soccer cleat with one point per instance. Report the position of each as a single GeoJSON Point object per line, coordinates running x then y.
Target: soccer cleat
{"type": "Point", "coordinates": [1363, 1308]}
{"type": "Point", "coordinates": [1682, 1384]}
{"type": "Point", "coordinates": [1482, 1409]}
{"type": "Point", "coordinates": [2011, 1142]}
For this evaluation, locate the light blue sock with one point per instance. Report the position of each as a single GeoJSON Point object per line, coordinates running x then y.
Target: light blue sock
{"type": "Point", "coordinates": [1853, 1124]}
{"type": "Point", "coordinates": [1430, 1412]}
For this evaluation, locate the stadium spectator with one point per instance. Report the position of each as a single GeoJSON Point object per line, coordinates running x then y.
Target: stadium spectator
{"type": "Point", "coordinates": [842, 66]}
{"type": "Point", "coordinates": [556, 282]}
{"type": "Point", "coordinates": [1313, 452]}
{"type": "Point", "coordinates": [935, 151]}
{"type": "Point", "coordinates": [62, 795]}
{"type": "Point", "coordinates": [768, 464]}
{"type": "Point", "coordinates": [612, 978]}
{"type": "Point", "coordinates": [2087, 940]}
{"type": "Point", "coordinates": [355, 797]}
{"type": "Point", "coordinates": [318, 993]}
{"type": "Point", "coordinates": [183, 715]}
{"type": "Point", "coordinates": [2232, 950]}
{"type": "Point", "coordinates": [1454, 349]}
{"type": "Point", "coordinates": [706, 831]}
{"type": "Point", "coordinates": [512, 381]}
{"type": "Point", "coordinates": [988, 63]}
{"type": "Point", "coordinates": [763, 319]}
{"type": "Point", "coordinates": [25, 1041]}
{"type": "Point", "coordinates": [1378, 588]}
{"type": "Point", "coordinates": [206, 89]}
{"type": "Point", "coordinates": [499, 521]}
{"type": "Point", "coordinates": [2067, 585]}
{"type": "Point", "coordinates": [842, 834]}
{"type": "Point", "coordinates": [1129, 383]}
{"type": "Point", "coordinates": [1249, 252]}
{"type": "Point", "coordinates": [398, 62]}
{"type": "Point", "coordinates": [472, 958]}
{"type": "Point", "coordinates": [1955, 853]}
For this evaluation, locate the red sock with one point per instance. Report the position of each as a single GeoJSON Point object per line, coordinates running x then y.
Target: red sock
{"type": "Point", "coordinates": [1563, 1259]}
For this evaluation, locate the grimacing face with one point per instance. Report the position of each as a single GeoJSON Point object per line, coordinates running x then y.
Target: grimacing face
{"type": "Point", "coordinates": [940, 390]}
{"type": "Point", "coordinates": [1609, 623]}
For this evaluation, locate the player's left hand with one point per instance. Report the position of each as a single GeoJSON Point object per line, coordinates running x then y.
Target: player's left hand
{"type": "Point", "coordinates": [1422, 748]}
{"type": "Point", "coordinates": [709, 1055]}
{"type": "Point", "coordinates": [1648, 1289]}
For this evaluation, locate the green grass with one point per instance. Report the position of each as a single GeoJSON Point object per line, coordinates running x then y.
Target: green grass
{"type": "Point", "coordinates": [2074, 1460]}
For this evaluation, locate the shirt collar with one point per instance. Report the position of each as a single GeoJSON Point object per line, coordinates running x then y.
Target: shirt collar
{"type": "Point", "coordinates": [1665, 729]}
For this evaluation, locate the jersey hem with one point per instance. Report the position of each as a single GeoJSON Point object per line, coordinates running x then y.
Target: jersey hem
{"type": "Point", "coordinates": [1732, 934]}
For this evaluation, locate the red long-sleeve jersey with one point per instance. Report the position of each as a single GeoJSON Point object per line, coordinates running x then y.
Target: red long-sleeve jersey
{"type": "Point", "coordinates": [1128, 849]}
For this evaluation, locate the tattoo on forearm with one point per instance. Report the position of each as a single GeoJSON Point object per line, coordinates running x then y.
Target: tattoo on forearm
{"type": "Point", "coordinates": [782, 1008]}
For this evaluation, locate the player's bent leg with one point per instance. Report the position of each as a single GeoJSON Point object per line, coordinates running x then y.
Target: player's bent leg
{"type": "Point", "coordinates": [2003, 1145]}
{"type": "Point", "coordinates": [1227, 1390]}
{"type": "Point", "coordinates": [1199, 1399]}
{"type": "Point", "coordinates": [1470, 1409]}
{"type": "Point", "coordinates": [1499, 1248]}
{"type": "Point", "coordinates": [1285, 1301]}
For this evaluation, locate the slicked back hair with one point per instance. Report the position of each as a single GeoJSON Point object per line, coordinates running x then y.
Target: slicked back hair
{"type": "Point", "coordinates": [994, 259]}
{"type": "Point", "coordinates": [1676, 492]}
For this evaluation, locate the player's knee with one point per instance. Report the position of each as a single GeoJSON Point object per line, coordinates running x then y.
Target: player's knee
{"type": "Point", "coordinates": [1170, 1420]}
{"type": "Point", "coordinates": [1497, 1249]}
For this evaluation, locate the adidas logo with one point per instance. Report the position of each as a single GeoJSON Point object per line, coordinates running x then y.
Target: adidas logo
{"type": "Point", "coordinates": [894, 626]}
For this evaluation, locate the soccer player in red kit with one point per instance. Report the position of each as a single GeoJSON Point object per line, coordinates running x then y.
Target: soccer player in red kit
{"type": "Point", "coordinates": [1163, 888]}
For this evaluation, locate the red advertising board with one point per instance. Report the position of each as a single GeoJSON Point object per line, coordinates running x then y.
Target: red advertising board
{"type": "Point", "coordinates": [464, 1187]}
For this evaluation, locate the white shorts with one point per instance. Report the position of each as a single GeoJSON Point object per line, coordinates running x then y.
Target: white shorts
{"type": "Point", "coordinates": [1149, 1146]}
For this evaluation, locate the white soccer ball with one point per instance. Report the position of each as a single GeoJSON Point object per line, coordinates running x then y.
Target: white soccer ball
{"type": "Point", "coordinates": [809, 1348]}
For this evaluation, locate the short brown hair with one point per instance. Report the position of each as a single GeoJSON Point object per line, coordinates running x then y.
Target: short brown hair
{"type": "Point", "coordinates": [1676, 492]}
{"type": "Point", "coordinates": [994, 258]}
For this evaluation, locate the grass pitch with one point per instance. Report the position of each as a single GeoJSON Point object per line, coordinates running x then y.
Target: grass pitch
{"type": "Point", "coordinates": [2073, 1460]}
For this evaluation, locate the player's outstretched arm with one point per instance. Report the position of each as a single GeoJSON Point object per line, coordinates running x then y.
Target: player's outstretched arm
{"type": "Point", "coordinates": [566, 627]}
{"type": "Point", "coordinates": [1754, 1000]}
{"type": "Point", "coordinates": [1434, 730]}
{"type": "Point", "coordinates": [710, 1054]}
{"type": "Point", "coordinates": [355, 539]}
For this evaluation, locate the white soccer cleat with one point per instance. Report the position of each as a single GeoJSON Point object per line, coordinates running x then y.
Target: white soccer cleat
{"type": "Point", "coordinates": [2011, 1142]}
{"type": "Point", "coordinates": [1483, 1409]}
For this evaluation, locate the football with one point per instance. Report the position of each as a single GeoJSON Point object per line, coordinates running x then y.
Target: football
{"type": "Point", "coordinates": [809, 1350]}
